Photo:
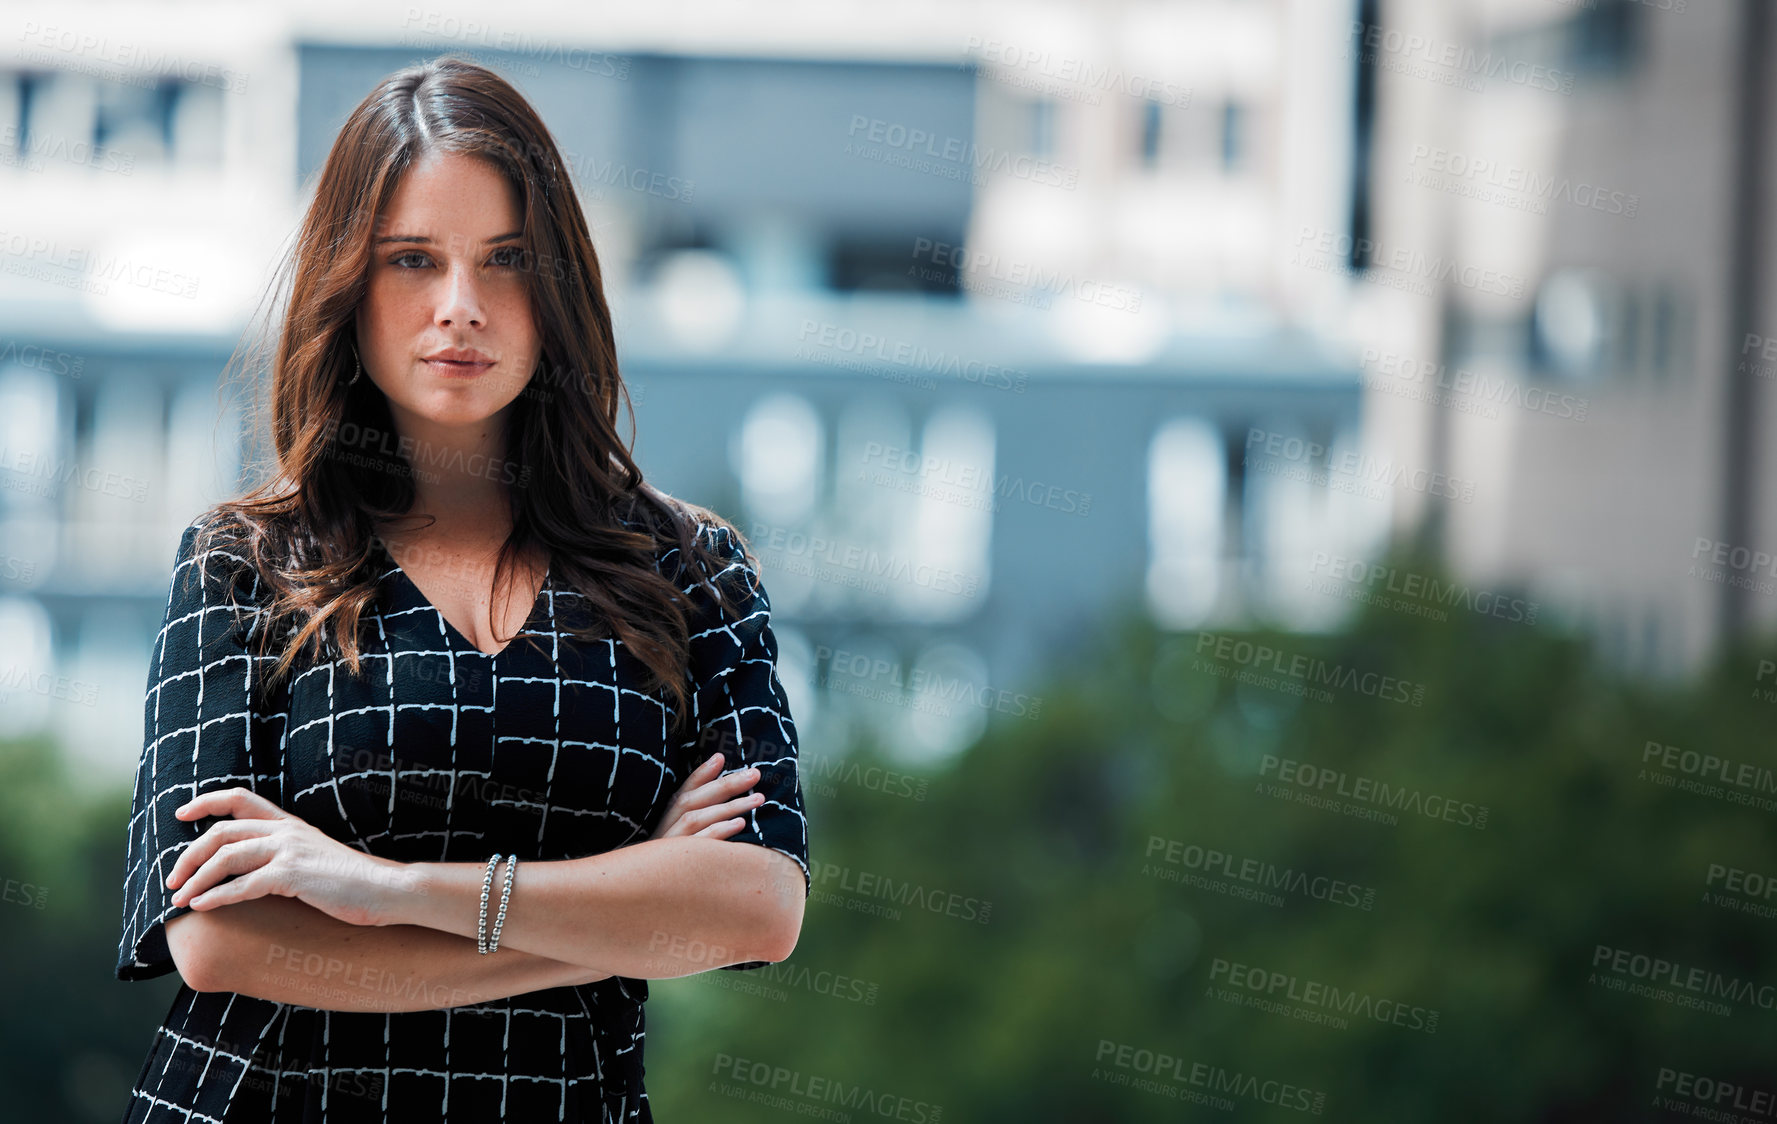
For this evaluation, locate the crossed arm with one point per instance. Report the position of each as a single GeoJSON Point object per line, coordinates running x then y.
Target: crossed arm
{"type": "Point", "coordinates": [287, 951]}
{"type": "Point", "coordinates": [657, 909]}
{"type": "Point", "coordinates": [308, 920]}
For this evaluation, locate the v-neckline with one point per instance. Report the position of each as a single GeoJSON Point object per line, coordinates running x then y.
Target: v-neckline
{"type": "Point", "coordinates": [451, 629]}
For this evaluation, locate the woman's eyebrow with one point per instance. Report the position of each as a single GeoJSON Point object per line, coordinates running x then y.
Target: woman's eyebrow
{"type": "Point", "coordinates": [423, 240]}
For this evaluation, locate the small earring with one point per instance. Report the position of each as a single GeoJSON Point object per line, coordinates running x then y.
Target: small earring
{"type": "Point", "coordinates": [358, 365]}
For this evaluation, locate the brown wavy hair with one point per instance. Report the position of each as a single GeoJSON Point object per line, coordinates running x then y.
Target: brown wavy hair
{"type": "Point", "coordinates": [308, 529]}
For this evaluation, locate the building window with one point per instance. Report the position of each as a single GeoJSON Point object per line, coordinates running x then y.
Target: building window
{"type": "Point", "coordinates": [1187, 502]}
{"type": "Point", "coordinates": [1605, 37]}
{"type": "Point", "coordinates": [110, 125]}
{"type": "Point", "coordinates": [1363, 122]}
{"type": "Point", "coordinates": [777, 454]}
{"type": "Point", "coordinates": [1150, 133]}
{"type": "Point", "coordinates": [1233, 136]}
{"type": "Point", "coordinates": [1042, 128]}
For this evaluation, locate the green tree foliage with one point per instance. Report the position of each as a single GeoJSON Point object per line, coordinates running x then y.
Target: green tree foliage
{"type": "Point", "coordinates": [1478, 991]}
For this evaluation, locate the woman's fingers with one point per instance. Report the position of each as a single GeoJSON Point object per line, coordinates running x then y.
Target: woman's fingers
{"type": "Point", "coordinates": [241, 803]}
{"type": "Point", "coordinates": [240, 889]}
{"type": "Point", "coordinates": [205, 845]}
{"type": "Point", "coordinates": [704, 802]}
{"type": "Point", "coordinates": [693, 795]}
{"type": "Point", "coordinates": [711, 820]}
{"type": "Point", "coordinates": [722, 787]}
{"type": "Point", "coordinates": [698, 819]}
{"type": "Point", "coordinates": [230, 859]}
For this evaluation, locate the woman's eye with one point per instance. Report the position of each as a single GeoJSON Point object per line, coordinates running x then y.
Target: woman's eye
{"type": "Point", "coordinates": [504, 258]}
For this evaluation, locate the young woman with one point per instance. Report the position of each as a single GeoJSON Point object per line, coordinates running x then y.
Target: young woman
{"type": "Point", "coordinates": [451, 722]}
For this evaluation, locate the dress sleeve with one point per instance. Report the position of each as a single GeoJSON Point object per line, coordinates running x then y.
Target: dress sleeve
{"type": "Point", "coordinates": [197, 727]}
{"type": "Point", "coordinates": [739, 708]}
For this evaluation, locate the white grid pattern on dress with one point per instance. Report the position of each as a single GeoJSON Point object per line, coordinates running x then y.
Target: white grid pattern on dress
{"type": "Point", "coordinates": [514, 715]}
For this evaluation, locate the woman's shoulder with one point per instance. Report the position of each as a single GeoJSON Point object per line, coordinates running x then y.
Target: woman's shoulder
{"type": "Point", "coordinates": [212, 556]}
{"type": "Point", "coordinates": [708, 530]}
{"type": "Point", "coordinates": [211, 536]}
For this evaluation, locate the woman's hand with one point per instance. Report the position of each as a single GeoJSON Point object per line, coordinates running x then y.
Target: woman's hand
{"type": "Point", "coordinates": [270, 851]}
{"type": "Point", "coordinates": [703, 806]}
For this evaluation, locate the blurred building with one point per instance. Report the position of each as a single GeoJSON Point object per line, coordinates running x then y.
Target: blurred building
{"type": "Point", "coordinates": [982, 324]}
{"type": "Point", "coordinates": [1563, 301]}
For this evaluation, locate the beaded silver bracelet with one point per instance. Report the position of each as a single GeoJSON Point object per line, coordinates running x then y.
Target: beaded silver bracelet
{"type": "Point", "coordinates": [505, 893]}
{"type": "Point", "coordinates": [487, 881]}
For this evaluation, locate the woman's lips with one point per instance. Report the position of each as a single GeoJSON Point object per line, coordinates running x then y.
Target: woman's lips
{"type": "Point", "coordinates": [456, 368]}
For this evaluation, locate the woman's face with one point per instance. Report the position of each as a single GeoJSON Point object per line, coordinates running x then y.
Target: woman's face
{"type": "Point", "coordinates": [445, 327]}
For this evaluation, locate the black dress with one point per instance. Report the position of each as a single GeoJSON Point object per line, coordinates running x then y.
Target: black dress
{"type": "Point", "coordinates": [438, 752]}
